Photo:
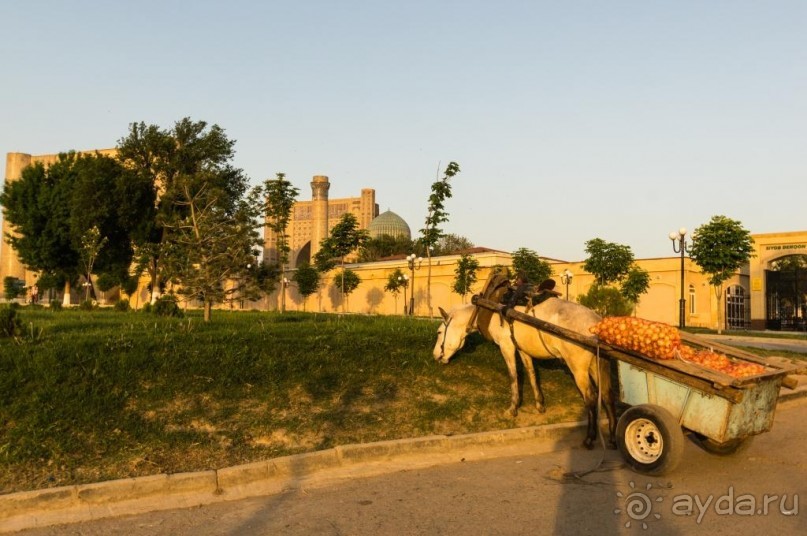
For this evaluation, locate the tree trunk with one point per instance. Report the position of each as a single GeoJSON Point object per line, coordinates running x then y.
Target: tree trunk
{"type": "Point", "coordinates": [66, 297]}
{"type": "Point", "coordinates": [208, 309]}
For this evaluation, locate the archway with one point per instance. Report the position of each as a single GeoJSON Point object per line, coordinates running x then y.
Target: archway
{"type": "Point", "coordinates": [303, 256]}
{"type": "Point", "coordinates": [786, 293]}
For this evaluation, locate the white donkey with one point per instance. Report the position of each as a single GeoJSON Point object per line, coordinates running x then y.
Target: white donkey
{"type": "Point", "coordinates": [530, 342]}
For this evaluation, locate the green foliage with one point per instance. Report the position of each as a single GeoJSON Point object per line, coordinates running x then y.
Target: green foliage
{"type": "Point", "coordinates": [635, 284]}
{"type": "Point", "coordinates": [451, 244]}
{"type": "Point", "coordinates": [129, 285]}
{"type": "Point", "coordinates": [529, 262]}
{"type": "Point", "coordinates": [345, 237]}
{"type": "Point", "coordinates": [347, 281]}
{"type": "Point", "coordinates": [37, 206]}
{"type": "Point", "coordinates": [122, 305]}
{"type": "Point", "coordinates": [52, 209]}
{"type": "Point", "coordinates": [441, 190]}
{"type": "Point", "coordinates": [56, 306]}
{"type": "Point", "coordinates": [606, 301]}
{"type": "Point", "coordinates": [396, 281]}
{"type": "Point", "coordinates": [307, 279]}
{"type": "Point", "coordinates": [106, 282]}
{"type": "Point", "coordinates": [191, 165]}
{"type": "Point", "coordinates": [10, 324]}
{"type": "Point", "coordinates": [721, 247]}
{"type": "Point", "coordinates": [607, 261]}
{"type": "Point", "coordinates": [13, 287]}
{"type": "Point", "coordinates": [167, 306]}
{"type": "Point", "coordinates": [465, 275]}
{"type": "Point", "coordinates": [280, 199]}
{"type": "Point", "coordinates": [385, 246]}
{"type": "Point", "coordinates": [87, 305]}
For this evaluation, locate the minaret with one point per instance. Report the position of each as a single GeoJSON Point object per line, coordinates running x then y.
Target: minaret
{"type": "Point", "coordinates": [369, 209]}
{"type": "Point", "coordinates": [319, 212]}
{"type": "Point", "coordinates": [10, 265]}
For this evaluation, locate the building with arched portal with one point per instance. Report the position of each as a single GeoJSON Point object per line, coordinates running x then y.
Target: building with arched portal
{"type": "Point", "coordinates": [311, 221]}
{"type": "Point", "coordinates": [770, 292]}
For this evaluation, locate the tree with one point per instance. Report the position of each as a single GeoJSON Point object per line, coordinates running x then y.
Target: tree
{"type": "Point", "coordinates": [613, 267]}
{"type": "Point", "coordinates": [345, 238]}
{"type": "Point", "coordinates": [348, 281]}
{"type": "Point", "coordinates": [720, 248]}
{"type": "Point", "coordinates": [167, 160]}
{"type": "Point", "coordinates": [529, 262]}
{"type": "Point", "coordinates": [52, 209]}
{"type": "Point", "coordinates": [91, 244]}
{"type": "Point", "coordinates": [465, 275]}
{"type": "Point", "coordinates": [396, 281]}
{"type": "Point", "coordinates": [636, 283]}
{"type": "Point", "coordinates": [451, 244]}
{"type": "Point", "coordinates": [307, 279]}
{"type": "Point", "coordinates": [37, 207]}
{"type": "Point", "coordinates": [431, 233]}
{"type": "Point", "coordinates": [607, 261]}
{"type": "Point", "coordinates": [209, 249]}
{"type": "Point", "coordinates": [107, 197]}
{"type": "Point", "coordinates": [280, 199]}
{"type": "Point", "coordinates": [13, 287]}
{"type": "Point", "coordinates": [385, 246]}
{"type": "Point", "coordinates": [606, 301]}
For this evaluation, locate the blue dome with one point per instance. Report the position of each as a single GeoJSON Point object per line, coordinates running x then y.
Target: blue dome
{"type": "Point", "coordinates": [390, 224]}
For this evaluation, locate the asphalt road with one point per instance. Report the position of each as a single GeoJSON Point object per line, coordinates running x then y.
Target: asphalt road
{"type": "Point", "coordinates": [762, 490]}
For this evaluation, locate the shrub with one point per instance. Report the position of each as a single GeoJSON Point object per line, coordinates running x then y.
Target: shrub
{"type": "Point", "coordinates": [122, 305]}
{"type": "Point", "coordinates": [13, 287]}
{"type": "Point", "coordinates": [10, 325]}
{"type": "Point", "coordinates": [55, 305]}
{"type": "Point", "coordinates": [87, 305]}
{"type": "Point", "coordinates": [167, 306]}
{"type": "Point", "coordinates": [147, 307]}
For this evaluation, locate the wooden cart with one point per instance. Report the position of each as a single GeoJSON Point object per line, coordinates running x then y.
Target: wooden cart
{"type": "Point", "coordinates": [664, 400]}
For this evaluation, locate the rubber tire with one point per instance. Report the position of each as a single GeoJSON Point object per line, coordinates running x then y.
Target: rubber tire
{"type": "Point", "coordinates": [729, 448]}
{"type": "Point", "coordinates": [650, 439]}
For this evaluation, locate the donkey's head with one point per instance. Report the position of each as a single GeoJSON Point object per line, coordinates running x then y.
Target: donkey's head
{"type": "Point", "coordinates": [452, 332]}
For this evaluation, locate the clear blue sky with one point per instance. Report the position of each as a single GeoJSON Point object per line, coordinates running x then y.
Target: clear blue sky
{"type": "Point", "coordinates": [570, 120]}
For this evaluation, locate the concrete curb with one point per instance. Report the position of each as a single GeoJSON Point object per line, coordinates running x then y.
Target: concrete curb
{"type": "Point", "coordinates": [74, 504]}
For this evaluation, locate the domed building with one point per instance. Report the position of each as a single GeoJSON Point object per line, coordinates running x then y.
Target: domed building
{"type": "Point", "coordinates": [390, 224]}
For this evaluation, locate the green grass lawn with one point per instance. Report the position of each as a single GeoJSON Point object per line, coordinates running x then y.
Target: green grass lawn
{"type": "Point", "coordinates": [89, 396]}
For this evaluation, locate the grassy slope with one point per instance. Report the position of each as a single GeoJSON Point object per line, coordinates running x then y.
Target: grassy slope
{"type": "Point", "coordinates": [90, 396]}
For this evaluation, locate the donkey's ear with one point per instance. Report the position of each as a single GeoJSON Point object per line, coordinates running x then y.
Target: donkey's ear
{"type": "Point", "coordinates": [442, 312]}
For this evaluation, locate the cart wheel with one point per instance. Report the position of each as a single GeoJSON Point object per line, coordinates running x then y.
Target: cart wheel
{"type": "Point", "coordinates": [650, 439]}
{"type": "Point", "coordinates": [732, 446]}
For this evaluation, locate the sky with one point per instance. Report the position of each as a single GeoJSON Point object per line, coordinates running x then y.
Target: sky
{"type": "Point", "coordinates": [574, 120]}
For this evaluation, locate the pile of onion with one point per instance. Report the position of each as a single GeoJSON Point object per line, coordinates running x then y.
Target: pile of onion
{"type": "Point", "coordinates": [661, 341]}
{"type": "Point", "coordinates": [720, 362]}
{"type": "Point", "coordinates": [652, 339]}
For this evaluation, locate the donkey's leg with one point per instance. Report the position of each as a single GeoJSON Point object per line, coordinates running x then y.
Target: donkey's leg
{"type": "Point", "coordinates": [580, 371]}
{"type": "Point", "coordinates": [529, 367]}
{"type": "Point", "coordinates": [509, 355]}
{"type": "Point", "coordinates": [603, 375]}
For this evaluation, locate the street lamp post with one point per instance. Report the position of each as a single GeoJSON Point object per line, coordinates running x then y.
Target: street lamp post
{"type": "Point", "coordinates": [680, 246]}
{"type": "Point", "coordinates": [403, 280]}
{"type": "Point", "coordinates": [414, 264]}
{"type": "Point", "coordinates": [566, 279]}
